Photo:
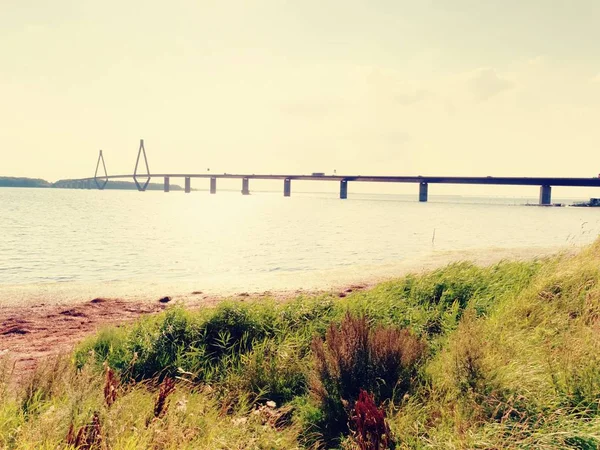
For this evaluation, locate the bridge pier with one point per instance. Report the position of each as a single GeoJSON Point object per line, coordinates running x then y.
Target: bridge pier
{"type": "Point", "coordinates": [545, 195]}
{"type": "Point", "coordinates": [188, 185]}
{"type": "Point", "coordinates": [287, 187]}
{"type": "Point", "coordinates": [213, 185]}
{"type": "Point", "coordinates": [423, 189]}
{"type": "Point", "coordinates": [344, 189]}
{"type": "Point", "coordinates": [245, 188]}
{"type": "Point", "coordinates": [167, 184]}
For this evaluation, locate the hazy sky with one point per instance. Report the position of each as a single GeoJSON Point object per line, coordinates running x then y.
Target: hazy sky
{"type": "Point", "coordinates": [460, 87]}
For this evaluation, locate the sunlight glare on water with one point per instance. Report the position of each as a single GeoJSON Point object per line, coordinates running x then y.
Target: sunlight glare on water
{"type": "Point", "coordinates": [262, 241]}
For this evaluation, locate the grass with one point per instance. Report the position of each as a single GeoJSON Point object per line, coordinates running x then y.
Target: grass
{"type": "Point", "coordinates": [511, 361]}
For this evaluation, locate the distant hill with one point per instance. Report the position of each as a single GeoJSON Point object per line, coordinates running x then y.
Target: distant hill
{"type": "Point", "coordinates": [24, 182]}
{"type": "Point", "coordinates": [39, 183]}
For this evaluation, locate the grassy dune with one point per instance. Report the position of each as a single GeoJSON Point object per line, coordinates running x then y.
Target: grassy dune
{"type": "Point", "coordinates": [463, 357]}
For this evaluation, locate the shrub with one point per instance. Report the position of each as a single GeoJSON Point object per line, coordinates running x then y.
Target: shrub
{"type": "Point", "coordinates": [232, 327]}
{"type": "Point", "coordinates": [109, 346]}
{"type": "Point", "coordinates": [458, 282]}
{"type": "Point", "coordinates": [354, 356]}
{"type": "Point", "coordinates": [274, 370]}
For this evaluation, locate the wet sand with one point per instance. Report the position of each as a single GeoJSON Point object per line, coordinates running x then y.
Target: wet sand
{"type": "Point", "coordinates": [40, 321]}
{"type": "Point", "coordinates": [28, 334]}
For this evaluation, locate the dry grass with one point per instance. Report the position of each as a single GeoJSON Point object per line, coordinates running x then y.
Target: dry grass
{"type": "Point", "coordinates": [76, 415]}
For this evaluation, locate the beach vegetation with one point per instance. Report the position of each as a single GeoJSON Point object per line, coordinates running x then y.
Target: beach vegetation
{"type": "Point", "coordinates": [505, 356]}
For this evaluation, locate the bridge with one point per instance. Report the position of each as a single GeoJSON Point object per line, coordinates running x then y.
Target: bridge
{"type": "Point", "coordinates": [142, 179]}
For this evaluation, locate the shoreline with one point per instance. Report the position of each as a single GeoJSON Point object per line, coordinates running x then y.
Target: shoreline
{"type": "Point", "coordinates": [265, 283]}
{"type": "Point", "coordinates": [51, 323]}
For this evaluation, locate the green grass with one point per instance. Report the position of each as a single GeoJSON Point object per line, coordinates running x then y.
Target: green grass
{"type": "Point", "coordinates": [512, 361]}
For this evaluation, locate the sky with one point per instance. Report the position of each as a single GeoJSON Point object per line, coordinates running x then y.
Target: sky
{"type": "Point", "coordinates": [434, 87]}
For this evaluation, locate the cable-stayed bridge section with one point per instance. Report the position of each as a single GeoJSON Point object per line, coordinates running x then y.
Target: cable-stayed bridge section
{"type": "Point", "coordinates": [142, 179]}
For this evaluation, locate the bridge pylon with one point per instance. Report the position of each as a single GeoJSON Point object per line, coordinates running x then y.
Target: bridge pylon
{"type": "Point", "coordinates": [101, 185]}
{"type": "Point", "coordinates": [141, 151]}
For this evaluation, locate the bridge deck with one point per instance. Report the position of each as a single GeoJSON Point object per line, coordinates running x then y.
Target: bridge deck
{"type": "Point", "coordinates": [513, 181]}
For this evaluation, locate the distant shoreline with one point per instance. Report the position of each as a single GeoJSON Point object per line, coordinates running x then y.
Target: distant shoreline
{"type": "Point", "coordinates": [24, 182]}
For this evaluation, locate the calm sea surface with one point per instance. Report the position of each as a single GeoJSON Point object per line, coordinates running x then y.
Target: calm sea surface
{"type": "Point", "coordinates": [263, 241]}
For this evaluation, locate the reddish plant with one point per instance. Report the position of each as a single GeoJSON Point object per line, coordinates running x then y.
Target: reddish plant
{"type": "Point", "coordinates": [70, 439]}
{"type": "Point", "coordinates": [354, 356]}
{"type": "Point", "coordinates": [111, 385]}
{"type": "Point", "coordinates": [161, 405]}
{"type": "Point", "coordinates": [88, 437]}
{"type": "Point", "coordinates": [369, 426]}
